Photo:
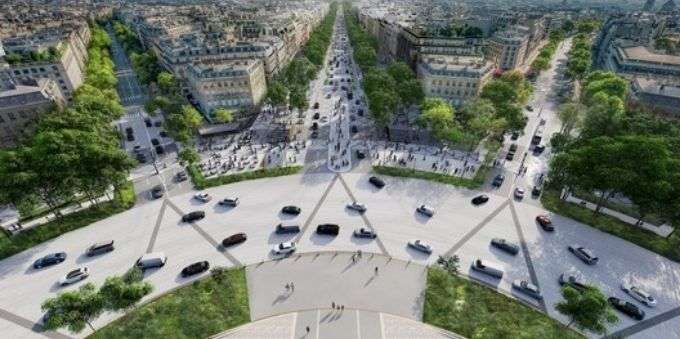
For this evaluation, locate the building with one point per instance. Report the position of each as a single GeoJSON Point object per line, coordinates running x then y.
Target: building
{"type": "Point", "coordinates": [631, 61]}
{"type": "Point", "coordinates": [455, 79]}
{"type": "Point", "coordinates": [660, 97]}
{"type": "Point", "coordinates": [232, 84]}
{"type": "Point", "coordinates": [508, 49]}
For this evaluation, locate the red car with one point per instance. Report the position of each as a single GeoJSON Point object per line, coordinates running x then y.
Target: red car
{"type": "Point", "coordinates": [545, 222]}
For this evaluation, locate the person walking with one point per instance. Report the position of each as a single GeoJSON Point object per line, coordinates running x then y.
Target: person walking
{"type": "Point", "coordinates": [307, 328]}
{"type": "Point", "coordinates": [376, 270]}
{"type": "Point", "coordinates": [292, 286]}
{"type": "Point", "coordinates": [333, 304]}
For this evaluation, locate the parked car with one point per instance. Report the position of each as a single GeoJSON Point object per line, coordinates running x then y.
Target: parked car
{"type": "Point", "coordinates": [584, 254]}
{"type": "Point", "coordinates": [160, 149]}
{"type": "Point", "coordinates": [536, 191]}
{"type": "Point", "coordinates": [538, 149]}
{"type": "Point", "coordinates": [519, 193]}
{"type": "Point", "coordinates": [639, 294]}
{"type": "Point", "coordinates": [425, 210]}
{"type": "Point", "coordinates": [203, 197]}
{"type": "Point", "coordinates": [513, 147]}
{"type": "Point", "coordinates": [545, 222]}
{"type": "Point", "coordinates": [291, 210]}
{"type": "Point", "coordinates": [316, 105]}
{"type": "Point", "coordinates": [354, 129]}
{"type": "Point", "coordinates": [163, 134]}
{"type": "Point", "coordinates": [480, 199]}
{"type": "Point", "coordinates": [130, 137]}
{"type": "Point", "coordinates": [361, 208]}
{"type": "Point", "coordinates": [505, 246]}
{"type": "Point", "coordinates": [627, 308]}
{"type": "Point", "coordinates": [181, 176]}
{"type": "Point", "coordinates": [514, 136]}
{"type": "Point", "coordinates": [158, 123]}
{"type": "Point", "coordinates": [76, 275]}
{"type": "Point", "coordinates": [193, 216]}
{"type": "Point", "coordinates": [573, 281]}
{"type": "Point", "coordinates": [155, 142]}
{"type": "Point", "coordinates": [287, 227]}
{"type": "Point", "coordinates": [527, 288]}
{"type": "Point", "coordinates": [510, 156]}
{"type": "Point", "coordinates": [315, 126]}
{"type": "Point", "coordinates": [365, 233]}
{"type": "Point", "coordinates": [284, 248]}
{"type": "Point", "coordinates": [50, 259]}
{"type": "Point", "coordinates": [231, 202]}
{"type": "Point", "coordinates": [195, 268]}
{"type": "Point", "coordinates": [100, 248]}
{"type": "Point", "coordinates": [498, 180]}
{"type": "Point", "coordinates": [487, 267]}
{"type": "Point", "coordinates": [234, 239]}
{"type": "Point", "coordinates": [147, 122]}
{"type": "Point", "coordinates": [377, 182]}
{"type": "Point", "coordinates": [421, 246]}
{"type": "Point", "coordinates": [328, 229]}
{"type": "Point", "coordinates": [151, 260]}
{"type": "Point", "coordinates": [314, 135]}
{"type": "Point", "coordinates": [157, 192]}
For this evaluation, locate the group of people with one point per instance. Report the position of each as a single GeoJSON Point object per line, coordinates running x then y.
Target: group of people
{"type": "Point", "coordinates": [426, 158]}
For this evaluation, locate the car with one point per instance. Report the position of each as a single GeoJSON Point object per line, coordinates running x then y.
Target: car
{"type": "Point", "coordinates": [284, 248]}
{"type": "Point", "coordinates": [361, 208]}
{"type": "Point", "coordinates": [163, 134]}
{"type": "Point", "coordinates": [76, 275]}
{"type": "Point", "coordinates": [527, 288]}
{"type": "Point", "coordinates": [195, 268]}
{"type": "Point", "coordinates": [360, 112]}
{"type": "Point", "coordinates": [529, 108]}
{"type": "Point", "coordinates": [151, 260]}
{"type": "Point", "coordinates": [487, 267]}
{"type": "Point", "coordinates": [510, 156]}
{"type": "Point", "coordinates": [181, 176]}
{"type": "Point", "coordinates": [639, 294]}
{"type": "Point", "coordinates": [231, 202]}
{"type": "Point", "coordinates": [365, 233]}
{"type": "Point", "coordinates": [316, 116]}
{"type": "Point", "coordinates": [328, 229]}
{"type": "Point", "coordinates": [315, 126]}
{"type": "Point", "coordinates": [291, 210]}
{"type": "Point", "coordinates": [545, 222]}
{"type": "Point", "coordinates": [99, 248]}
{"type": "Point", "coordinates": [316, 105]}
{"type": "Point", "coordinates": [573, 281]}
{"type": "Point", "coordinates": [420, 245]}
{"type": "Point", "coordinates": [155, 142]}
{"type": "Point", "coordinates": [234, 239]}
{"type": "Point", "coordinates": [157, 192]}
{"type": "Point", "coordinates": [130, 137]}
{"type": "Point", "coordinates": [287, 227]}
{"type": "Point", "coordinates": [627, 308]}
{"type": "Point", "coordinates": [536, 191]}
{"type": "Point", "coordinates": [505, 246]}
{"type": "Point", "coordinates": [425, 210]}
{"type": "Point", "coordinates": [538, 149]}
{"type": "Point", "coordinates": [377, 182]}
{"type": "Point", "coordinates": [147, 122]}
{"type": "Point", "coordinates": [361, 154]}
{"type": "Point", "coordinates": [160, 149]}
{"type": "Point", "coordinates": [354, 129]}
{"type": "Point", "coordinates": [584, 254]}
{"type": "Point", "coordinates": [514, 136]}
{"type": "Point", "coordinates": [193, 216]}
{"type": "Point", "coordinates": [50, 259]}
{"type": "Point", "coordinates": [137, 149]}
{"type": "Point", "coordinates": [513, 147]}
{"type": "Point", "coordinates": [141, 158]}
{"type": "Point", "coordinates": [498, 180]}
{"type": "Point", "coordinates": [202, 197]}
{"type": "Point", "coordinates": [480, 199]}
{"type": "Point", "coordinates": [519, 193]}
{"type": "Point", "coordinates": [129, 130]}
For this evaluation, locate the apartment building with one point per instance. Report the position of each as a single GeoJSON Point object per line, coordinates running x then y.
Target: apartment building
{"type": "Point", "coordinates": [453, 78]}
{"type": "Point", "coordinates": [508, 49]}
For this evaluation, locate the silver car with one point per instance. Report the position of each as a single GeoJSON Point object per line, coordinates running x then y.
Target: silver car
{"type": "Point", "coordinates": [76, 275]}
{"type": "Point", "coordinates": [639, 294]}
{"type": "Point", "coordinates": [361, 208]}
{"type": "Point", "coordinates": [425, 210]}
{"type": "Point", "coordinates": [586, 255]}
{"type": "Point", "coordinates": [421, 246]}
{"type": "Point", "coordinates": [284, 248]}
{"type": "Point", "coordinates": [202, 197]}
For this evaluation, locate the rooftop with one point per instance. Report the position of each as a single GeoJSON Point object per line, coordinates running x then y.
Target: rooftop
{"type": "Point", "coordinates": [641, 53]}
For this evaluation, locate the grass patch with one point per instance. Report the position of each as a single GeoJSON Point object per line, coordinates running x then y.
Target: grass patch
{"type": "Point", "coordinates": [200, 182]}
{"type": "Point", "coordinates": [475, 182]}
{"type": "Point", "coordinates": [198, 310]}
{"type": "Point", "coordinates": [667, 247]}
{"type": "Point", "coordinates": [124, 198]}
{"type": "Point", "coordinates": [474, 311]}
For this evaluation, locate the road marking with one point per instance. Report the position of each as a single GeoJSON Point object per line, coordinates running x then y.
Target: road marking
{"type": "Point", "coordinates": [207, 237]}
{"type": "Point", "coordinates": [316, 209]}
{"type": "Point", "coordinates": [476, 229]}
{"type": "Point", "coordinates": [363, 216]}
{"type": "Point", "coordinates": [525, 252]}
{"type": "Point", "coordinates": [30, 325]}
{"type": "Point", "coordinates": [292, 333]}
{"type": "Point", "coordinates": [318, 322]}
{"type": "Point", "coordinates": [358, 326]}
{"type": "Point", "coordinates": [382, 327]}
{"type": "Point", "coordinates": [645, 324]}
{"type": "Point", "coordinates": [156, 227]}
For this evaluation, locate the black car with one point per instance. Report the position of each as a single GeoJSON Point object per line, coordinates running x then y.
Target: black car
{"type": "Point", "coordinates": [129, 130]}
{"type": "Point", "coordinates": [193, 216]}
{"type": "Point", "coordinates": [536, 191]}
{"type": "Point", "coordinates": [377, 182]}
{"type": "Point", "coordinates": [159, 149]}
{"type": "Point", "coordinates": [234, 239]}
{"type": "Point", "coordinates": [538, 149]}
{"type": "Point", "coordinates": [328, 229]}
{"type": "Point", "coordinates": [510, 156]}
{"type": "Point", "coordinates": [100, 248]}
{"type": "Point", "coordinates": [291, 210]}
{"type": "Point", "coordinates": [315, 126]}
{"type": "Point", "coordinates": [514, 136]}
{"type": "Point", "coordinates": [181, 176]}
{"type": "Point", "coordinates": [157, 192]}
{"type": "Point", "coordinates": [361, 154]}
{"type": "Point", "coordinates": [627, 308]}
{"type": "Point", "coordinates": [158, 123]}
{"type": "Point", "coordinates": [360, 112]}
{"type": "Point", "coordinates": [365, 233]}
{"type": "Point", "coordinates": [155, 142]}
{"type": "Point", "coordinates": [130, 137]}
{"type": "Point", "coordinates": [498, 180]}
{"type": "Point", "coordinates": [50, 259]}
{"type": "Point", "coordinates": [480, 199]}
{"type": "Point", "coordinates": [147, 122]}
{"type": "Point", "coordinates": [163, 134]}
{"type": "Point", "coordinates": [315, 135]}
{"type": "Point", "coordinates": [354, 129]}
{"type": "Point", "coordinates": [316, 105]}
{"type": "Point", "coordinates": [505, 246]}
{"type": "Point", "coordinates": [195, 268]}
{"type": "Point", "coordinates": [316, 116]}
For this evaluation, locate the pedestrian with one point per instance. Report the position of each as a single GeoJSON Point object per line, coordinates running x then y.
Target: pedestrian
{"type": "Point", "coordinates": [287, 287]}
{"type": "Point", "coordinates": [292, 286]}
{"type": "Point", "coordinates": [333, 304]}
{"type": "Point", "coordinates": [376, 270]}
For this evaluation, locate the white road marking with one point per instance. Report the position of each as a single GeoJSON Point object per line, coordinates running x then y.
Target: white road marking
{"type": "Point", "coordinates": [318, 322]}
{"type": "Point", "coordinates": [358, 326]}
{"type": "Point", "coordinates": [382, 327]}
{"type": "Point", "coordinates": [292, 333]}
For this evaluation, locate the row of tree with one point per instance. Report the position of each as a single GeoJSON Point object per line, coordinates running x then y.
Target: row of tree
{"type": "Point", "coordinates": [542, 61]}
{"type": "Point", "coordinates": [74, 151]}
{"type": "Point", "coordinates": [580, 58]}
{"type": "Point", "coordinates": [508, 94]}
{"type": "Point", "coordinates": [143, 61]}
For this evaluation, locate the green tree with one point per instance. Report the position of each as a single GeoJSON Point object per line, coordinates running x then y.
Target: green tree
{"type": "Point", "coordinates": [605, 82]}
{"type": "Point", "coordinates": [400, 72]}
{"type": "Point", "coordinates": [223, 115]}
{"type": "Point", "coordinates": [167, 83]}
{"type": "Point", "coordinates": [568, 26]}
{"type": "Point", "coordinates": [410, 92]}
{"type": "Point", "coordinates": [588, 309]}
{"type": "Point", "coordinates": [278, 93]}
{"type": "Point", "coordinates": [117, 294]}
{"type": "Point", "coordinates": [192, 118]}
{"type": "Point", "coordinates": [365, 56]}
{"type": "Point", "coordinates": [382, 105]}
{"type": "Point", "coordinates": [73, 309]}
{"type": "Point", "coordinates": [189, 156]}
{"type": "Point", "coordinates": [571, 115]}
{"type": "Point", "coordinates": [604, 116]}
{"type": "Point", "coordinates": [437, 116]}
{"type": "Point", "coordinates": [298, 97]}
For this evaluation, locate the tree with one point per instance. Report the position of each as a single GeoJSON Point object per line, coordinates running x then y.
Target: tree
{"type": "Point", "coordinates": [604, 82]}
{"type": "Point", "coordinates": [278, 93]}
{"type": "Point", "coordinates": [73, 309]}
{"type": "Point", "coordinates": [365, 56]}
{"type": "Point", "coordinates": [189, 156]}
{"type": "Point", "coordinates": [604, 116]}
{"type": "Point", "coordinates": [588, 309]}
{"type": "Point", "coordinates": [571, 115]}
{"type": "Point", "coordinates": [437, 116]}
{"type": "Point", "coordinates": [568, 26]}
{"type": "Point", "coordinates": [223, 115]}
{"type": "Point", "coordinates": [410, 92]}
{"type": "Point", "coordinates": [298, 97]}
{"type": "Point", "coordinates": [382, 105]}
{"type": "Point", "coordinates": [400, 72]}
{"type": "Point", "coordinates": [117, 294]}
{"type": "Point", "coordinates": [192, 118]}
{"type": "Point", "coordinates": [167, 83]}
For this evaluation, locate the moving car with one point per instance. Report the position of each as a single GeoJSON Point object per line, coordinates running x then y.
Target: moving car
{"type": "Point", "coordinates": [203, 197]}
{"type": "Point", "coordinates": [639, 294]}
{"type": "Point", "coordinates": [519, 193]}
{"type": "Point", "coordinates": [195, 268]}
{"type": "Point", "coordinates": [287, 227]}
{"type": "Point", "coordinates": [157, 192]}
{"type": "Point", "coordinates": [536, 191]}
{"type": "Point", "coordinates": [316, 116]}
{"type": "Point", "coordinates": [284, 248]}
{"type": "Point", "coordinates": [316, 105]}
{"type": "Point", "coordinates": [361, 208]}
{"type": "Point", "coordinates": [155, 142]}
{"type": "Point", "coordinates": [365, 233]}
{"type": "Point", "coordinates": [421, 246]}
{"type": "Point", "coordinates": [147, 122]}
{"type": "Point", "coordinates": [627, 308]}
{"type": "Point", "coordinates": [291, 210]}
{"type": "Point", "coordinates": [573, 281]}
{"type": "Point", "coordinates": [99, 248]}
{"type": "Point", "coordinates": [510, 156]}
{"type": "Point", "coordinates": [151, 260]}
{"type": "Point", "coordinates": [490, 268]}
{"type": "Point", "coordinates": [425, 210]}
{"type": "Point", "coordinates": [545, 222]}
{"type": "Point", "coordinates": [50, 259]}
{"type": "Point", "coordinates": [231, 202]}
{"type": "Point", "coordinates": [193, 216]}
{"type": "Point", "coordinates": [234, 239]}
{"type": "Point", "coordinates": [584, 254]}
{"type": "Point", "coordinates": [505, 246]}
{"type": "Point", "coordinates": [354, 129]}
{"type": "Point", "coordinates": [498, 180]}
{"type": "Point", "coordinates": [480, 199]}
{"type": "Point", "coordinates": [377, 182]}
{"type": "Point", "coordinates": [328, 229]}
{"type": "Point", "coordinates": [527, 288]}
{"type": "Point", "coordinates": [160, 149]}
{"type": "Point", "coordinates": [76, 275]}
{"type": "Point", "coordinates": [361, 154]}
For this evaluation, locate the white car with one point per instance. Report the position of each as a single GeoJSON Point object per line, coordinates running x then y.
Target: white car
{"type": "Point", "coordinates": [425, 210]}
{"type": "Point", "coordinates": [361, 208]}
{"type": "Point", "coordinates": [420, 245]}
{"type": "Point", "coordinates": [519, 193]}
{"type": "Point", "coordinates": [639, 294]}
{"type": "Point", "coordinates": [76, 275]}
{"type": "Point", "coordinates": [202, 197]}
{"type": "Point", "coordinates": [284, 248]}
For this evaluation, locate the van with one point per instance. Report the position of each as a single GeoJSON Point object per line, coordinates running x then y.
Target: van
{"type": "Point", "coordinates": [328, 229]}
{"type": "Point", "coordinates": [151, 260]}
{"type": "Point", "coordinates": [487, 267]}
{"type": "Point", "coordinates": [287, 227]}
{"type": "Point", "coordinates": [100, 248]}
